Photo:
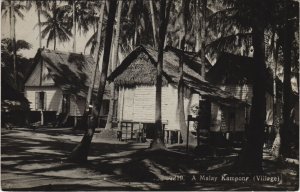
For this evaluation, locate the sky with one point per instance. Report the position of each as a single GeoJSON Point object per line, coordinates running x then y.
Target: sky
{"type": "Point", "coordinates": [26, 30]}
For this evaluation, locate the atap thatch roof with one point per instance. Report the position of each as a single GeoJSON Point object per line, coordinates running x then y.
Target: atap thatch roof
{"type": "Point", "coordinates": [193, 58]}
{"type": "Point", "coordinates": [72, 72]}
{"type": "Point", "coordinates": [235, 69]}
{"type": "Point", "coordinates": [139, 68]}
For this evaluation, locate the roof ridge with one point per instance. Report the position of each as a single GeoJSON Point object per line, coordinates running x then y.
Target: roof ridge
{"type": "Point", "coordinates": [64, 52]}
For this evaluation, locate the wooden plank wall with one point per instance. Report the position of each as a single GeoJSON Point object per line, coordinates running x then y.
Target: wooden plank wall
{"type": "Point", "coordinates": [139, 105]}
{"type": "Point", "coordinates": [53, 97]}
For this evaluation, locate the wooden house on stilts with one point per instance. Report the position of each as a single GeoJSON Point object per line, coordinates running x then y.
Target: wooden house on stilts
{"type": "Point", "coordinates": [58, 84]}
{"type": "Point", "coordinates": [135, 78]}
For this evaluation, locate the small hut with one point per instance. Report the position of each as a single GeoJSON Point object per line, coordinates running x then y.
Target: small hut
{"type": "Point", "coordinates": [135, 78]}
{"type": "Point", "coordinates": [58, 84]}
{"type": "Point", "coordinates": [234, 73]}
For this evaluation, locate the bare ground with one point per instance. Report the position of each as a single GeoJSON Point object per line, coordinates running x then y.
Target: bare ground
{"type": "Point", "coordinates": [36, 160]}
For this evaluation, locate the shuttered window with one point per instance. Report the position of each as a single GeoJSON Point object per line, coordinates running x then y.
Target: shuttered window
{"type": "Point", "coordinates": [40, 100]}
{"type": "Point", "coordinates": [66, 103]}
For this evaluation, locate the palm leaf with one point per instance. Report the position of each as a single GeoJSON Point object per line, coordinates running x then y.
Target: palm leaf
{"type": "Point", "coordinates": [229, 43]}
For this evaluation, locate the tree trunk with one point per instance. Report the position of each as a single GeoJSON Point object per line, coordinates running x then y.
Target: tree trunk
{"type": "Point", "coordinates": [80, 152]}
{"type": "Point", "coordinates": [158, 141]}
{"type": "Point", "coordinates": [197, 29]}
{"type": "Point", "coordinates": [54, 44]}
{"type": "Point", "coordinates": [95, 56]}
{"type": "Point", "coordinates": [203, 36]}
{"type": "Point", "coordinates": [287, 46]}
{"type": "Point", "coordinates": [180, 106]}
{"type": "Point", "coordinates": [277, 143]}
{"type": "Point", "coordinates": [276, 116]}
{"type": "Point", "coordinates": [74, 26]}
{"type": "Point", "coordinates": [153, 22]}
{"type": "Point", "coordinates": [54, 17]}
{"type": "Point", "coordinates": [113, 66]}
{"type": "Point", "coordinates": [13, 38]}
{"type": "Point", "coordinates": [251, 158]}
{"type": "Point", "coordinates": [40, 28]}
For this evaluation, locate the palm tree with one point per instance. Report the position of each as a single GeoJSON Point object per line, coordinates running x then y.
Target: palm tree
{"type": "Point", "coordinates": [82, 16]}
{"type": "Point", "coordinates": [11, 8]}
{"type": "Point", "coordinates": [255, 15]}
{"type": "Point", "coordinates": [288, 36]}
{"type": "Point", "coordinates": [113, 66]}
{"type": "Point", "coordinates": [39, 6]}
{"type": "Point", "coordinates": [96, 51]}
{"type": "Point", "coordinates": [203, 36]}
{"type": "Point", "coordinates": [164, 13]}
{"type": "Point", "coordinates": [182, 39]}
{"type": "Point", "coordinates": [153, 20]}
{"type": "Point", "coordinates": [80, 152]}
{"type": "Point", "coordinates": [56, 27]}
{"type": "Point", "coordinates": [7, 53]}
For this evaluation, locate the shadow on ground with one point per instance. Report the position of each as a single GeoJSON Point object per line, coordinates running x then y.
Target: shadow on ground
{"type": "Point", "coordinates": [36, 161]}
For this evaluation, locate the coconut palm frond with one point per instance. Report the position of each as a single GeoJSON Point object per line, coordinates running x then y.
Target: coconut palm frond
{"type": "Point", "coordinates": [91, 42]}
{"type": "Point", "coordinates": [229, 43]}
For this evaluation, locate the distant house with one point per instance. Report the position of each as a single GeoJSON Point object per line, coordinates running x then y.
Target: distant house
{"type": "Point", "coordinates": [135, 78]}
{"type": "Point", "coordinates": [58, 84]}
{"type": "Point", "coordinates": [14, 106]}
{"type": "Point", "coordinates": [235, 74]}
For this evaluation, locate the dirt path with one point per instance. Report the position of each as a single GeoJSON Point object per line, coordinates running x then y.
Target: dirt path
{"type": "Point", "coordinates": [36, 160]}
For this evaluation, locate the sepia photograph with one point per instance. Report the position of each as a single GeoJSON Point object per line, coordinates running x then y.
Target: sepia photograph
{"type": "Point", "coordinates": [150, 95]}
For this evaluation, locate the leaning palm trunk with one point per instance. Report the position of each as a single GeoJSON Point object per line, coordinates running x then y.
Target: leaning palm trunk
{"type": "Point", "coordinates": [96, 53]}
{"type": "Point", "coordinates": [80, 152]}
{"type": "Point", "coordinates": [113, 66]}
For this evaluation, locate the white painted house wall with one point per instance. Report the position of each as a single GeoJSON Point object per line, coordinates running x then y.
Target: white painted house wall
{"type": "Point", "coordinates": [54, 94]}
{"type": "Point", "coordinates": [138, 105]}
{"type": "Point", "coordinates": [244, 93]}
{"type": "Point", "coordinates": [53, 97]}
{"type": "Point", "coordinates": [77, 107]}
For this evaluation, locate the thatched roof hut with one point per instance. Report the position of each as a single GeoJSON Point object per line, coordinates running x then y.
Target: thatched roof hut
{"type": "Point", "coordinates": [139, 68]}
{"type": "Point", "coordinates": [235, 69]}
{"type": "Point", "coordinates": [71, 72]}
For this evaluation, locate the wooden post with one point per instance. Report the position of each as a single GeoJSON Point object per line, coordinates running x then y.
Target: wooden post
{"type": "Point", "coordinates": [197, 131]}
{"type": "Point", "coordinates": [169, 137]}
{"type": "Point", "coordinates": [139, 133]}
{"type": "Point", "coordinates": [131, 130]}
{"type": "Point", "coordinates": [178, 137]}
{"type": "Point", "coordinates": [121, 129]}
{"type": "Point", "coordinates": [187, 134]}
{"type": "Point", "coordinates": [143, 132]}
{"type": "Point", "coordinates": [126, 132]}
{"type": "Point", "coordinates": [163, 130]}
{"type": "Point", "coordinates": [75, 111]}
{"type": "Point", "coordinates": [42, 117]}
